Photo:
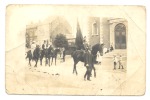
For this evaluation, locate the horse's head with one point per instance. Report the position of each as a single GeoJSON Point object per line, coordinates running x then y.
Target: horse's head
{"type": "Point", "coordinates": [101, 49]}
{"type": "Point", "coordinates": [96, 48]}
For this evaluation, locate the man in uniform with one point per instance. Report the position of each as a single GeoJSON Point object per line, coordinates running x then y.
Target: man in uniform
{"type": "Point", "coordinates": [89, 62]}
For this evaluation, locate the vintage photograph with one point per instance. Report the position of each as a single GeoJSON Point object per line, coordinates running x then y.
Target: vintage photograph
{"type": "Point", "coordinates": [75, 50]}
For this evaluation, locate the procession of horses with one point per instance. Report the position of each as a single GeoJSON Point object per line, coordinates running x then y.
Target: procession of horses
{"type": "Point", "coordinates": [87, 56]}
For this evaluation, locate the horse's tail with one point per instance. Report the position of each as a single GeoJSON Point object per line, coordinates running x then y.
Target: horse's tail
{"type": "Point", "coordinates": [28, 54]}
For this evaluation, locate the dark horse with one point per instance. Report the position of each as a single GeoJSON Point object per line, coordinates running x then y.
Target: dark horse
{"type": "Point", "coordinates": [79, 55]}
{"type": "Point", "coordinates": [53, 55]}
{"type": "Point", "coordinates": [48, 54]}
{"type": "Point", "coordinates": [35, 56]}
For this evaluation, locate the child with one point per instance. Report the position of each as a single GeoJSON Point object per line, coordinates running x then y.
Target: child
{"type": "Point", "coordinates": [99, 57]}
{"type": "Point", "coordinates": [115, 62]}
{"type": "Point", "coordinates": [120, 62]}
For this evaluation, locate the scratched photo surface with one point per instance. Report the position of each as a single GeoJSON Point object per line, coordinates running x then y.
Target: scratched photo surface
{"type": "Point", "coordinates": [75, 50]}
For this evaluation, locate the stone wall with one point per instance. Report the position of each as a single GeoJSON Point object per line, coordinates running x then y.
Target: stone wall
{"type": "Point", "coordinates": [93, 39]}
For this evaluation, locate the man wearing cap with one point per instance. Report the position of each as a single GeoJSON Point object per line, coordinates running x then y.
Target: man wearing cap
{"type": "Point", "coordinates": [89, 63]}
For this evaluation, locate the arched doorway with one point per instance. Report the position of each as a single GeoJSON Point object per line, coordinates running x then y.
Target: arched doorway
{"type": "Point", "coordinates": [120, 36]}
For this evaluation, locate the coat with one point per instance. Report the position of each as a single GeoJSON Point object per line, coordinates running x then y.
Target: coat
{"type": "Point", "coordinates": [43, 46]}
{"type": "Point", "coordinates": [89, 59]}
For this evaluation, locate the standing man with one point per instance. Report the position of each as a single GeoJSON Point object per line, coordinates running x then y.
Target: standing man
{"type": "Point", "coordinates": [89, 62]}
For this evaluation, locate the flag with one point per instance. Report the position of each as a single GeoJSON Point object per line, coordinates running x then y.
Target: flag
{"type": "Point", "coordinates": [79, 38]}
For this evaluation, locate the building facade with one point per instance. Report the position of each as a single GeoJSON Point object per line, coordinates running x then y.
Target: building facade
{"type": "Point", "coordinates": [110, 31]}
{"type": "Point", "coordinates": [47, 31]}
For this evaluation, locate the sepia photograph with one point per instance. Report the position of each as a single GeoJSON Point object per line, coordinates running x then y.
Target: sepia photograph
{"type": "Point", "coordinates": [75, 50]}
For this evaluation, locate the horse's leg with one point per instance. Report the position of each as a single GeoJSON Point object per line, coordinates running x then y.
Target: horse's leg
{"type": "Point", "coordinates": [35, 63]}
{"type": "Point", "coordinates": [74, 66]}
{"type": "Point", "coordinates": [74, 69]}
{"type": "Point", "coordinates": [41, 58]}
{"type": "Point", "coordinates": [94, 71]}
{"type": "Point", "coordinates": [49, 61]}
{"type": "Point", "coordinates": [85, 75]}
{"type": "Point", "coordinates": [52, 61]}
{"type": "Point", "coordinates": [45, 60]}
{"type": "Point", "coordinates": [30, 62]}
{"type": "Point", "coordinates": [55, 60]}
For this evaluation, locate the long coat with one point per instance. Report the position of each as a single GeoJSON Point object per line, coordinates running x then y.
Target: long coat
{"type": "Point", "coordinates": [89, 59]}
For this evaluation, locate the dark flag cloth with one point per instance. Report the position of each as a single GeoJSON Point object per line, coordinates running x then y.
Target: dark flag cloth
{"type": "Point", "coordinates": [79, 38]}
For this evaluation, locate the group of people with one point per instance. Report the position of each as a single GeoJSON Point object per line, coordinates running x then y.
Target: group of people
{"type": "Point", "coordinates": [45, 46]}
{"type": "Point", "coordinates": [89, 59]}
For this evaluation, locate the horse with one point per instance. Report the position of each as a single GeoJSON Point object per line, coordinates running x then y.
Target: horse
{"type": "Point", "coordinates": [53, 55]}
{"type": "Point", "coordinates": [44, 54]}
{"type": "Point", "coordinates": [35, 56]}
{"type": "Point", "coordinates": [29, 55]}
{"type": "Point", "coordinates": [48, 54]}
{"type": "Point", "coordinates": [79, 55]}
{"type": "Point", "coordinates": [95, 48]}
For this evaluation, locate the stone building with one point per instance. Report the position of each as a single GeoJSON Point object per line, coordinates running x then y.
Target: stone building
{"type": "Point", "coordinates": [110, 31]}
{"type": "Point", "coordinates": [48, 29]}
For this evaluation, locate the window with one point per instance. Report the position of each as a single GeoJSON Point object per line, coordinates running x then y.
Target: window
{"type": "Point", "coordinates": [94, 28]}
{"type": "Point", "coordinates": [120, 36]}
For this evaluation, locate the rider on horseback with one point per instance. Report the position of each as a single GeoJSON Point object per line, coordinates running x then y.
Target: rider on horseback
{"type": "Point", "coordinates": [85, 44]}
{"type": "Point", "coordinates": [44, 45]}
{"type": "Point", "coordinates": [33, 46]}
